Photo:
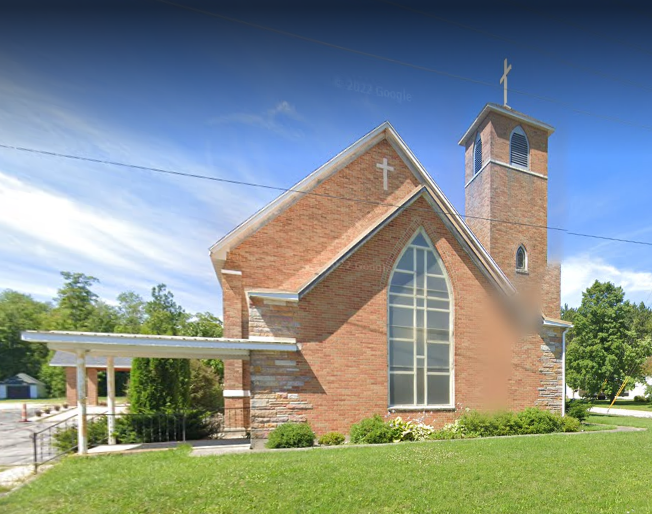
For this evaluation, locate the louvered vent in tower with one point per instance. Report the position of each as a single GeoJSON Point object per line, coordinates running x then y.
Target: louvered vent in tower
{"type": "Point", "coordinates": [519, 149]}
{"type": "Point", "coordinates": [477, 155]}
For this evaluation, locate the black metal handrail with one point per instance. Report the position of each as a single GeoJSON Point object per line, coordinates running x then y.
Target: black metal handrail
{"type": "Point", "coordinates": [132, 428]}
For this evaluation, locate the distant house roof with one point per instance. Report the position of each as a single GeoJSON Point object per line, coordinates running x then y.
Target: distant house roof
{"type": "Point", "coordinates": [67, 359]}
{"type": "Point", "coordinates": [21, 379]}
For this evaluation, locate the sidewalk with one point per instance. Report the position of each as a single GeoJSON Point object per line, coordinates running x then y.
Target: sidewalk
{"type": "Point", "coordinates": [622, 412]}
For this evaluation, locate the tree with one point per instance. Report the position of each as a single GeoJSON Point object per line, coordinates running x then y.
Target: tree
{"type": "Point", "coordinates": [131, 313]}
{"type": "Point", "coordinates": [75, 302]}
{"type": "Point", "coordinates": [205, 324]}
{"type": "Point", "coordinates": [605, 349]}
{"type": "Point", "coordinates": [161, 385]}
{"type": "Point", "coordinates": [164, 315]}
{"type": "Point", "coordinates": [20, 312]}
{"type": "Point", "coordinates": [205, 387]}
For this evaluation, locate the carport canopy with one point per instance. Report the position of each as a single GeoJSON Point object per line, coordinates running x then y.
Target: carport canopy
{"type": "Point", "coordinates": [108, 345]}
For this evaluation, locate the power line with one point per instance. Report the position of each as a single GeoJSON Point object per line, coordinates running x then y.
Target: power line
{"type": "Point", "coordinates": [520, 44]}
{"type": "Point", "coordinates": [407, 64]}
{"type": "Point", "coordinates": [311, 193]}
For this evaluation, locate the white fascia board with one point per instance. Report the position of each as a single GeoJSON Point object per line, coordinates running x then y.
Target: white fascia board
{"type": "Point", "coordinates": [271, 295]}
{"type": "Point", "coordinates": [554, 323]}
{"type": "Point", "coordinates": [137, 345]}
{"type": "Point", "coordinates": [220, 248]}
{"type": "Point", "coordinates": [447, 210]}
{"type": "Point", "coordinates": [364, 237]}
{"type": "Point", "coordinates": [515, 115]}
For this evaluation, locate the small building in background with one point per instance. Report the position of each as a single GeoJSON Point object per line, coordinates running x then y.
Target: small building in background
{"type": "Point", "coordinates": [22, 387]}
{"type": "Point", "coordinates": [94, 365]}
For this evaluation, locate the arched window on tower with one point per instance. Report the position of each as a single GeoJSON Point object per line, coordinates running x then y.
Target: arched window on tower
{"type": "Point", "coordinates": [419, 329]}
{"type": "Point", "coordinates": [519, 148]}
{"type": "Point", "coordinates": [477, 154]}
{"type": "Point", "coordinates": [521, 259]}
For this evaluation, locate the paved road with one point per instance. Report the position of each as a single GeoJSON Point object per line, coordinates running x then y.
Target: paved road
{"type": "Point", "coordinates": [622, 412]}
{"type": "Point", "coordinates": [15, 441]}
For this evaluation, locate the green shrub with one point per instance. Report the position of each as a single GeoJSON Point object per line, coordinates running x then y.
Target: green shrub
{"type": "Point", "coordinates": [331, 439]}
{"type": "Point", "coordinates": [578, 409]}
{"type": "Point", "coordinates": [65, 439]}
{"type": "Point", "coordinates": [570, 424]}
{"type": "Point", "coordinates": [537, 421]}
{"type": "Point", "coordinates": [528, 421]}
{"type": "Point", "coordinates": [640, 398]}
{"type": "Point", "coordinates": [410, 430]}
{"type": "Point", "coordinates": [291, 435]}
{"type": "Point", "coordinates": [372, 431]}
{"type": "Point", "coordinates": [162, 427]}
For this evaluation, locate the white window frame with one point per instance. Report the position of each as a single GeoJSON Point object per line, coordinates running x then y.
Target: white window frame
{"type": "Point", "coordinates": [519, 130]}
{"type": "Point", "coordinates": [451, 341]}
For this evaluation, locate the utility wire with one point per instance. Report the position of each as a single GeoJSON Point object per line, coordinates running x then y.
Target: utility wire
{"type": "Point", "coordinates": [407, 64]}
{"type": "Point", "coordinates": [311, 193]}
{"type": "Point", "coordinates": [520, 44]}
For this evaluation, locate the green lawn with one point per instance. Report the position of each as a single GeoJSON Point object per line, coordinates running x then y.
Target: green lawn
{"type": "Point", "coordinates": [624, 404]}
{"type": "Point", "coordinates": [583, 473]}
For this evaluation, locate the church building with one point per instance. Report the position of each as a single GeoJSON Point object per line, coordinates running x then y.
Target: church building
{"type": "Point", "coordinates": [391, 301]}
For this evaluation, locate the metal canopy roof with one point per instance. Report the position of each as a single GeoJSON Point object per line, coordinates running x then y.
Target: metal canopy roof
{"type": "Point", "coordinates": [139, 345]}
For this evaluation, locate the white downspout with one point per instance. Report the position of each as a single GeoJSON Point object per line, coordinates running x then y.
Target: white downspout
{"type": "Point", "coordinates": [563, 372]}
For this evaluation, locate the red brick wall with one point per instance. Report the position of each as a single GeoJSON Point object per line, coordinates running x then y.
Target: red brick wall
{"type": "Point", "coordinates": [340, 375]}
{"type": "Point", "coordinates": [502, 193]}
{"type": "Point", "coordinates": [91, 386]}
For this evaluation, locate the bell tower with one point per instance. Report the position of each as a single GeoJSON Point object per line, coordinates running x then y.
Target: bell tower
{"type": "Point", "coordinates": [506, 192]}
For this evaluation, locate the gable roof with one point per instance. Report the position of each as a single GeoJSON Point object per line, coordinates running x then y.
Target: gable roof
{"type": "Point", "coordinates": [21, 379]}
{"type": "Point", "coordinates": [449, 215]}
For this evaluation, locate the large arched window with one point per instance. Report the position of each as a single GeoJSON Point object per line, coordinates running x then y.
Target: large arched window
{"type": "Point", "coordinates": [519, 148]}
{"type": "Point", "coordinates": [477, 154]}
{"type": "Point", "coordinates": [419, 328]}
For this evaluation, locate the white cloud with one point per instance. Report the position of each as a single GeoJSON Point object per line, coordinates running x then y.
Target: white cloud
{"type": "Point", "coordinates": [273, 119]}
{"type": "Point", "coordinates": [580, 271]}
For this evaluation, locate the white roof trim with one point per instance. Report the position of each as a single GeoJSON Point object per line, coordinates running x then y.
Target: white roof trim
{"type": "Point", "coordinates": [506, 111]}
{"type": "Point", "coordinates": [139, 345]}
{"type": "Point", "coordinates": [219, 250]}
{"type": "Point", "coordinates": [384, 131]}
{"type": "Point", "coordinates": [548, 322]}
{"type": "Point", "coordinates": [274, 295]}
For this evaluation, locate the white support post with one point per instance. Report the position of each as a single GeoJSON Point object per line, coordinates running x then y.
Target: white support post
{"type": "Point", "coordinates": [82, 427]}
{"type": "Point", "coordinates": [110, 391]}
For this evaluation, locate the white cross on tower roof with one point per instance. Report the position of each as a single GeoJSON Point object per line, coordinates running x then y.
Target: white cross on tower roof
{"type": "Point", "coordinates": [385, 167]}
{"type": "Point", "coordinates": [503, 80]}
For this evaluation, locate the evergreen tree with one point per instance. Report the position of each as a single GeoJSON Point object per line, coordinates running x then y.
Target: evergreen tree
{"type": "Point", "coordinates": [161, 385]}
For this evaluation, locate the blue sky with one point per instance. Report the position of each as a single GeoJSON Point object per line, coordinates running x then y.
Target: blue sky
{"type": "Point", "coordinates": [155, 85]}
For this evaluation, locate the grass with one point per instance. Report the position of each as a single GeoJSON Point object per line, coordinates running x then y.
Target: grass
{"type": "Point", "coordinates": [583, 473]}
{"type": "Point", "coordinates": [624, 404]}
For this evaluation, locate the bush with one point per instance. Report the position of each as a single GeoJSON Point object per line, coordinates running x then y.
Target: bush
{"type": "Point", "coordinates": [291, 435]}
{"type": "Point", "coordinates": [372, 431]}
{"type": "Point", "coordinates": [639, 398]}
{"type": "Point", "coordinates": [47, 410]}
{"type": "Point", "coordinates": [410, 430]}
{"type": "Point", "coordinates": [162, 427]}
{"type": "Point", "coordinates": [65, 439]}
{"type": "Point", "coordinates": [578, 409]}
{"type": "Point", "coordinates": [528, 421]}
{"type": "Point", "coordinates": [570, 424]}
{"type": "Point", "coordinates": [331, 439]}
